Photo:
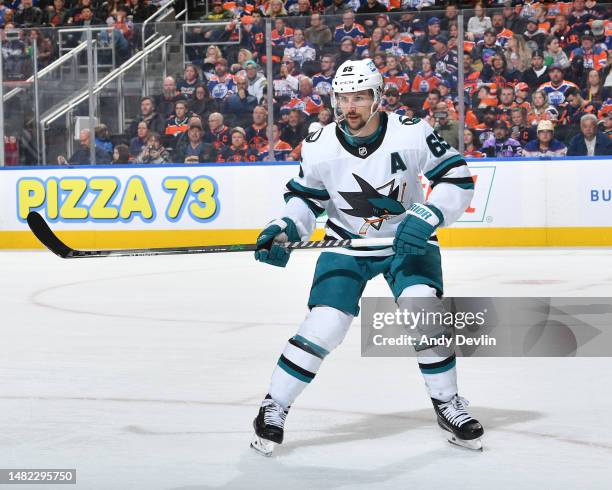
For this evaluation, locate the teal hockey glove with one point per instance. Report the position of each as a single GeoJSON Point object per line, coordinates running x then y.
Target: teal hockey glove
{"type": "Point", "coordinates": [412, 234]}
{"type": "Point", "coordinates": [268, 248]}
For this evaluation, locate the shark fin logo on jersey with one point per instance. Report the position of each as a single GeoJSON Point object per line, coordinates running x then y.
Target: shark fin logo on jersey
{"type": "Point", "coordinates": [371, 205]}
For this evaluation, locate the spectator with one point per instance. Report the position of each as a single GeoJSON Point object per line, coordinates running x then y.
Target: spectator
{"type": "Point", "coordinates": [502, 34]}
{"type": "Point", "coordinates": [121, 155]}
{"type": "Point", "coordinates": [153, 152]}
{"type": "Point", "coordinates": [114, 38]}
{"type": "Point", "coordinates": [14, 56]}
{"type": "Point", "coordinates": [138, 142]}
{"type": "Point", "coordinates": [534, 36]}
{"type": "Point", "coordinates": [238, 150]}
{"type": "Point", "coordinates": [217, 133]}
{"type": "Point", "coordinates": [166, 101]}
{"type": "Point", "coordinates": [202, 103]}
{"type": "Point", "coordinates": [318, 34]}
{"type": "Point", "coordinates": [606, 124]}
{"type": "Point", "coordinates": [178, 122]}
{"type": "Point", "coordinates": [541, 109]}
{"type": "Point", "coordinates": [391, 102]}
{"type": "Point", "coordinates": [141, 10]}
{"type": "Point", "coordinates": [194, 149]}
{"type": "Point", "coordinates": [554, 55]}
{"type": "Point", "coordinates": [221, 84]}
{"type": "Point", "coordinates": [521, 94]}
{"type": "Point", "coordinates": [479, 23]}
{"type": "Point", "coordinates": [450, 18]}
{"type": "Point", "coordinates": [487, 47]}
{"type": "Point", "coordinates": [426, 79]}
{"type": "Point", "coordinates": [285, 85]}
{"type": "Point", "coordinates": [155, 122]}
{"type": "Point", "coordinates": [299, 50]}
{"type": "Point", "coordinates": [576, 107]}
{"type": "Point", "coordinates": [594, 57]}
{"type": "Point", "coordinates": [445, 60]}
{"type": "Point", "coordinates": [281, 148]}
{"type": "Point", "coordinates": [218, 12]}
{"type": "Point", "coordinates": [85, 18]}
{"type": "Point", "coordinates": [444, 125]}
{"type": "Point", "coordinates": [102, 138]}
{"type": "Point", "coordinates": [28, 15]}
{"type": "Point", "coordinates": [469, 145]}
{"type": "Point", "coordinates": [256, 134]}
{"type": "Point", "coordinates": [187, 84]}
{"type": "Point", "coordinates": [276, 8]}
{"type": "Point", "coordinates": [516, 23]}
{"type": "Point", "coordinates": [545, 145]}
{"type": "Point", "coordinates": [598, 28]}
{"type": "Point", "coordinates": [324, 117]}
{"type": "Point", "coordinates": [256, 81]}
{"type": "Point", "coordinates": [500, 144]}
{"type": "Point", "coordinates": [213, 54]}
{"type": "Point", "coordinates": [537, 75]}
{"type": "Point", "coordinates": [370, 7]}
{"type": "Point", "coordinates": [590, 141]}
{"type": "Point", "coordinates": [82, 155]}
{"type": "Point", "coordinates": [57, 14]}
{"type": "Point", "coordinates": [422, 44]}
{"type": "Point", "coordinates": [240, 104]}
{"type": "Point", "coordinates": [561, 30]}
{"type": "Point", "coordinates": [295, 130]}
{"type": "Point", "coordinates": [506, 101]}
{"type": "Point", "coordinates": [517, 53]}
{"type": "Point", "coordinates": [337, 7]}
{"type": "Point", "coordinates": [281, 36]}
{"type": "Point", "coordinates": [498, 72]}
{"type": "Point", "coordinates": [302, 11]}
{"type": "Point", "coordinates": [349, 28]}
{"type": "Point", "coordinates": [520, 129]}
{"type": "Point", "coordinates": [555, 89]}
{"type": "Point", "coordinates": [322, 81]}
{"type": "Point", "coordinates": [394, 76]}
{"type": "Point", "coordinates": [594, 92]}
{"type": "Point", "coordinates": [347, 51]}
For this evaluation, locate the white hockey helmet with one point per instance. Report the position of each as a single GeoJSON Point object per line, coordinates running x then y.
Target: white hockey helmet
{"type": "Point", "coordinates": [354, 76]}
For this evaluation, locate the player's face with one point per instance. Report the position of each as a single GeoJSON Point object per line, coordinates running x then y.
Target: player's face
{"type": "Point", "coordinates": [355, 108]}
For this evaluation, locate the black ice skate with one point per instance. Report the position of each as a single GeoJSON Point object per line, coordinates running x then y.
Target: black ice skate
{"type": "Point", "coordinates": [269, 426]}
{"type": "Point", "coordinates": [454, 418]}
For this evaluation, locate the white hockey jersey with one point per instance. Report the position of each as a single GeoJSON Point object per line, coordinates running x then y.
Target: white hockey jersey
{"type": "Point", "coordinates": [367, 189]}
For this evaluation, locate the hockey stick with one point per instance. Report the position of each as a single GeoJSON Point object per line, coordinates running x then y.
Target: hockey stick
{"type": "Point", "coordinates": [45, 235]}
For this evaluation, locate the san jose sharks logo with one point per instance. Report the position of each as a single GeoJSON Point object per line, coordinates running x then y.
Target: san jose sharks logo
{"type": "Point", "coordinates": [373, 206]}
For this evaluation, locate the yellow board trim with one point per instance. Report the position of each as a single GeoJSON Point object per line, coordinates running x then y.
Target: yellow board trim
{"type": "Point", "coordinates": [454, 237]}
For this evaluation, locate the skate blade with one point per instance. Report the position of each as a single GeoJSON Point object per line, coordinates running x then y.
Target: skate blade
{"type": "Point", "coordinates": [262, 446]}
{"type": "Point", "coordinates": [473, 444]}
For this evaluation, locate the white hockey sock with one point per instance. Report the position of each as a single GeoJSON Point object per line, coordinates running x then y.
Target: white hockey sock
{"type": "Point", "coordinates": [440, 375]}
{"type": "Point", "coordinates": [322, 331]}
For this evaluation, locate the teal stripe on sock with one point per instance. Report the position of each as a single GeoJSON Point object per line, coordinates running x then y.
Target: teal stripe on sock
{"type": "Point", "coordinates": [293, 372]}
{"type": "Point", "coordinates": [318, 349]}
{"type": "Point", "coordinates": [439, 370]}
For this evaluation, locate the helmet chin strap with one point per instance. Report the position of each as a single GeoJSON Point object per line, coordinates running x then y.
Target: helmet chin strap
{"type": "Point", "coordinates": [341, 118]}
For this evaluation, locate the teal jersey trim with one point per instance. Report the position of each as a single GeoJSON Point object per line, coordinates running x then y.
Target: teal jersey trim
{"type": "Point", "coordinates": [358, 140]}
{"type": "Point", "coordinates": [442, 167]}
{"type": "Point", "coordinates": [309, 192]}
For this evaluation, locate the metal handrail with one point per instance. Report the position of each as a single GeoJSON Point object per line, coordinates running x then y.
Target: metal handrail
{"type": "Point", "coordinates": [86, 29]}
{"type": "Point", "coordinates": [152, 17]}
{"type": "Point", "coordinates": [47, 69]}
{"type": "Point", "coordinates": [81, 96]}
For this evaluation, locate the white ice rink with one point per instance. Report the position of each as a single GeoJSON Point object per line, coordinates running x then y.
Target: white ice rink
{"type": "Point", "coordinates": [146, 373]}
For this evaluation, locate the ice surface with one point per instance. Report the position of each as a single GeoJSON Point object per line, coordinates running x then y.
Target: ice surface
{"type": "Point", "coordinates": [146, 372]}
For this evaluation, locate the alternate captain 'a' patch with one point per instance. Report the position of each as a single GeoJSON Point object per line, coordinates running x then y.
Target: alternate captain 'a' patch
{"type": "Point", "coordinates": [371, 205]}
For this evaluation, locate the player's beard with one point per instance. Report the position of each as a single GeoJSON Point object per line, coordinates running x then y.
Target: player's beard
{"type": "Point", "coordinates": [355, 124]}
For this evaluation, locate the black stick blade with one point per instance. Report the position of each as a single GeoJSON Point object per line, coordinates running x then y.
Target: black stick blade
{"type": "Point", "coordinates": [41, 230]}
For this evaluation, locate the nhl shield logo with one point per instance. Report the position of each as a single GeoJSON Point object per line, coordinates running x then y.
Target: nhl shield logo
{"type": "Point", "coordinates": [363, 151]}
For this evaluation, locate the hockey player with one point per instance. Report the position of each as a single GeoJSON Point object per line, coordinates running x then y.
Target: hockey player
{"type": "Point", "coordinates": [355, 169]}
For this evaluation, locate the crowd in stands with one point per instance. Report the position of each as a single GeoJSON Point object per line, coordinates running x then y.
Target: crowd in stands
{"type": "Point", "coordinates": [537, 75]}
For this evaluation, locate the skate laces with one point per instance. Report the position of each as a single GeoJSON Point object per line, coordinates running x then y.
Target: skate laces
{"type": "Point", "coordinates": [274, 413]}
{"type": "Point", "coordinates": [455, 410]}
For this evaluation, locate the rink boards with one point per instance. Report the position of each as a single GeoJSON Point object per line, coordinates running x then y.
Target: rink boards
{"type": "Point", "coordinates": [520, 202]}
